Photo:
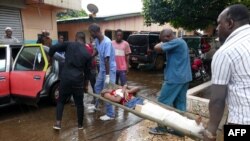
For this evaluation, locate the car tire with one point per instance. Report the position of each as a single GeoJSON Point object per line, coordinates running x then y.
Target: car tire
{"type": "Point", "coordinates": [159, 62]}
{"type": "Point", "coordinates": [134, 65]}
{"type": "Point", "coordinates": [54, 94]}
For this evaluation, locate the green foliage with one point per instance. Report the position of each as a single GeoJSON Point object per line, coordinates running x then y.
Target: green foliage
{"type": "Point", "coordinates": [70, 14]}
{"type": "Point", "coordinates": [189, 14]}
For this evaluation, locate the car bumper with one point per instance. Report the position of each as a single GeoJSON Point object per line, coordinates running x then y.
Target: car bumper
{"type": "Point", "coordinates": [140, 59]}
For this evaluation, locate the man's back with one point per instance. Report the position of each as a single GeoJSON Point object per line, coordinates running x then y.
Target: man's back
{"type": "Point", "coordinates": [178, 69]}
{"type": "Point", "coordinates": [77, 62]}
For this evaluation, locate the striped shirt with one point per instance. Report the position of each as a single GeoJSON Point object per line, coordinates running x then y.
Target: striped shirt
{"type": "Point", "coordinates": [231, 67]}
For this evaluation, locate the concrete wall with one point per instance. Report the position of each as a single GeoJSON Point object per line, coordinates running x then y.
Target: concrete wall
{"type": "Point", "coordinates": [134, 24]}
{"type": "Point", "coordinates": [36, 18]}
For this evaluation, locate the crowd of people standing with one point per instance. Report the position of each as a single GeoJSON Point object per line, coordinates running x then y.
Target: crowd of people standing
{"type": "Point", "coordinates": [230, 70]}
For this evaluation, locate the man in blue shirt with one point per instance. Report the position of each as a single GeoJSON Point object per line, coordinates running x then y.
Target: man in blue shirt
{"type": "Point", "coordinates": [177, 73]}
{"type": "Point", "coordinates": [107, 70]}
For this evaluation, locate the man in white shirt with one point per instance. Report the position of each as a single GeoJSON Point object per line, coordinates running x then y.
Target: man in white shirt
{"type": "Point", "coordinates": [8, 38]}
{"type": "Point", "coordinates": [231, 71]}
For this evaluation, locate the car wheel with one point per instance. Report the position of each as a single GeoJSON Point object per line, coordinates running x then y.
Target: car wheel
{"type": "Point", "coordinates": [134, 65]}
{"type": "Point", "coordinates": [159, 62]}
{"type": "Point", "coordinates": [54, 95]}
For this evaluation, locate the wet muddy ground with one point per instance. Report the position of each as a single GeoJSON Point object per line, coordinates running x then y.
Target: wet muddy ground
{"type": "Point", "coordinates": [27, 123]}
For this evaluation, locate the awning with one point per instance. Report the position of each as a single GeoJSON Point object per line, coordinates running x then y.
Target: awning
{"type": "Point", "coordinates": [65, 4]}
{"type": "Point", "coordinates": [68, 4]}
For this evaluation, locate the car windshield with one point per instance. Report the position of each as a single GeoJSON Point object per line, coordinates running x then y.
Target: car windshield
{"type": "Point", "coordinates": [138, 40]}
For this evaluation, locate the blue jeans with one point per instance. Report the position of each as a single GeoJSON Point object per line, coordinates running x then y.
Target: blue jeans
{"type": "Point", "coordinates": [99, 85]}
{"type": "Point", "coordinates": [174, 95]}
{"type": "Point", "coordinates": [121, 75]}
{"type": "Point", "coordinates": [132, 103]}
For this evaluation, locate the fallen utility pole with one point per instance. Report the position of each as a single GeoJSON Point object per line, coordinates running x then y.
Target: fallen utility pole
{"type": "Point", "coordinates": [169, 124]}
{"type": "Point", "coordinates": [189, 115]}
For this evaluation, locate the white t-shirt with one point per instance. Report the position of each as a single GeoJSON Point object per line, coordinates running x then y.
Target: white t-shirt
{"type": "Point", "coordinates": [119, 93]}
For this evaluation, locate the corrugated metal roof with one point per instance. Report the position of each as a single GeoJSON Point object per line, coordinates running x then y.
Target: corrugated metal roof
{"type": "Point", "coordinates": [99, 19]}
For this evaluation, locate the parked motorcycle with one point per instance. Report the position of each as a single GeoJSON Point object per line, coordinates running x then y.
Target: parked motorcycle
{"type": "Point", "coordinates": [200, 70]}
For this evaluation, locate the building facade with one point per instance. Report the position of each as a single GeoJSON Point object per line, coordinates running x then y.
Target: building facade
{"type": "Point", "coordinates": [129, 23]}
{"type": "Point", "coordinates": [28, 17]}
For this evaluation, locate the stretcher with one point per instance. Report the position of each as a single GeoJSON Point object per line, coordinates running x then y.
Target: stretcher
{"type": "Point", "coordinates": [172, 125]}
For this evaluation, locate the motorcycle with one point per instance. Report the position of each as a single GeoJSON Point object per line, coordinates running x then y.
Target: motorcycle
{"type": "Point", "coordinates": [200, 70]}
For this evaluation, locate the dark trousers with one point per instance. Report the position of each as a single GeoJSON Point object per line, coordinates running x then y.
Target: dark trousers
{"type": "Point", "coordinates": [92, 79]}
{"type": "Point", "coordinates": [121, 76]}
{"type": "Point", "coordinates": [65, 92]}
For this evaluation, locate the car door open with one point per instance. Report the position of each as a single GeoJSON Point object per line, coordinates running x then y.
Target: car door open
{"type": "Point", "coordinates": [4, 74]}
{"type": "Point", "coordinates": [28, 72]}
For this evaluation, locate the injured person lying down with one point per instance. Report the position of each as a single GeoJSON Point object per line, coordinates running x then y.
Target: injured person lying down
{"type": "Point", "coordinates": [126, 96]}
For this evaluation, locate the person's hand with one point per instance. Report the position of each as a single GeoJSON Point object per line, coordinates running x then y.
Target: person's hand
{"type": "Point", "coordinates": [107, 79]}
{"type": "Point", "coordinates": [126, 95]}
{"type": "Point", "coordinates": [85, 87]}
{"type": "Point", "coordinates": [158, 45]}
{"type": "Point", "coordinates": [85, 90]}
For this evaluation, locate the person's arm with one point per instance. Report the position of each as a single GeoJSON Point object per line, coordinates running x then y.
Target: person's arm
{"type": "Point", "coordinates": [124, 87]}
{"type": "Point", "coordinates": [107, 65]}
{"type": "Point", "coordinates": [216, 109]}
{"type": "Point", "coordinates": [158, 48]}
{"type": "Point", "coordinates": [87, 72]}
{"type": "Point", "coordinates": [95, 52]}
{"type": "Point", "coordinates": [127, 51]}
{"type": "Point", "coordinates": [133, 90]}
{"type": "Point", "coordinates": [60, 47]}
{"type": "Point", "coordinates": [107, 53]}
{"type": "Point", "coordinates": [221, 70]}
{"type": "Point", "coordinates": [164, 47]}
{"type": "Point", "coordinates": [105, 91]}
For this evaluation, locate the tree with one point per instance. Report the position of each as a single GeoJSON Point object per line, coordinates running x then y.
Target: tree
{"type": "Point", "coordinates": [188, 14]}
{"type": "Point", "coordinates": [70, 14]}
